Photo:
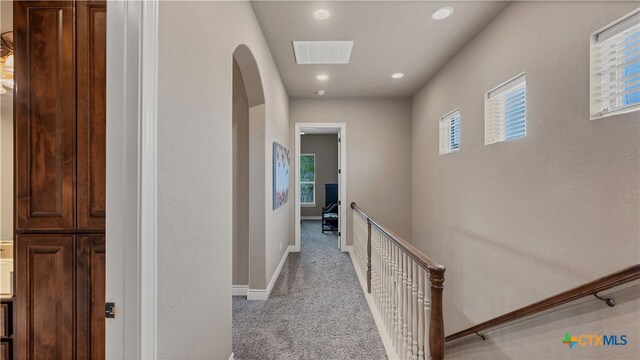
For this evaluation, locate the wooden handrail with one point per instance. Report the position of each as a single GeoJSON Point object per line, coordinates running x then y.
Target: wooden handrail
{"type": "Point", "coordinates": [423, 260]}
{"type": "Point", "coordinates": [435, 273]}
{"type": "Point", "coordinates": [591, 288]}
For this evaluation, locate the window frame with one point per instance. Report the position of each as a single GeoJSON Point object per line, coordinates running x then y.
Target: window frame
{"type": "Point", "coordinates": [445, 121]}
{"type": "Point", "coordinates": [495, 89]}
{"type": "Point", "coordinates": [302, 182]}
{"type": "Point", "coordinates": [595, 104]}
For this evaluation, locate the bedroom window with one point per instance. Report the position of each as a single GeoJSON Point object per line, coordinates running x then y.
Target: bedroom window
{"type": "Point", "coordinates": [450, 132]}
{"type": "Point", "coordinates": [505, 111]}
{"type": "Point", "coordinates": [615, 67]}
{"type": "Point", "coordinates": [308, 179]}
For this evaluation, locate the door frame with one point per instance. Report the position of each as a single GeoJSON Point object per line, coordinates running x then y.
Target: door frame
{"type": "Point", "coordinates": [131, 236]}
{"type": "Point", "coordinates": [342, 176]}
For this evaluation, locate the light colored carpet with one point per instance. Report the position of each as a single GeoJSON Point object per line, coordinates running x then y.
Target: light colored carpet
{"type": "Point", "coordinates": [317, 309]}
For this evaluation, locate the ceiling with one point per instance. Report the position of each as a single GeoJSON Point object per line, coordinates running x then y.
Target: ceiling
{"type": "Point", "coordinates": [390, 37]}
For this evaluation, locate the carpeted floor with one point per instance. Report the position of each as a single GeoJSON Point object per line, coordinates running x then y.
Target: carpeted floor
{"type": "Point", "coordinates": [317, 309]}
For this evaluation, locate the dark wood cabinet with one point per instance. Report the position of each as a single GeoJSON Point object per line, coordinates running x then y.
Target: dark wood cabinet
{"type": "Point", "coordinates": [5, 349]}
{"type": "Point", "coordinates": [45, 114]}
{"type": "Point", "coordinates": [60, 180]}
{"type": "Point", "coordinates": [6, 328]}
{"type": "Point", "coordinates": [91, 113]}
{"type": "Point", "coordinates": [45, 311]}
{"type": "Point", "coordinates": [91, 297]}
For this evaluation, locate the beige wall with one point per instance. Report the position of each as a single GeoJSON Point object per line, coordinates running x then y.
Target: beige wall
{"type": "Point", "coordinates": [6, 166]}
{"type": "Point", "coordinates": [325, 148]}
{"type": "Point", "coordinates": [195, 171]}
{"type": "Point", "coordinates": [518, 221]}
{"type": "Point", "coordinates": [240, 179]}
{"type": "Point", "coordinates": [6, 142]}
{"type": "Point", "coordinates": [378, 145]}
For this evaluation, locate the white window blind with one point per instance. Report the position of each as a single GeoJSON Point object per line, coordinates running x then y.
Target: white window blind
{"type": "Point", "coordinates": [450, 132]}
{"type": "Point", "coordinates": [505, 110]}
{"type": "Point", "coordinates": [615, 67]}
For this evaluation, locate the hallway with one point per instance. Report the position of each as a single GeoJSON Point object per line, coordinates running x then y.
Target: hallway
{"type": "Point", "coordinates": [315, 308]}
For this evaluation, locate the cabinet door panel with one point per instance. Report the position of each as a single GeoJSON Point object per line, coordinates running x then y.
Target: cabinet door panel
{"type": "Point", "coordinates": [91, 297]}
{"type": "Point", "coordinates": [44, 114]}
{"type": "Point", "coordinates": [44, 293]}
{"type": "Point", "coordinates": [91, 115]}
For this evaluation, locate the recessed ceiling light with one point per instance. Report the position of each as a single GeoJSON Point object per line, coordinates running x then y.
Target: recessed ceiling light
{"type": "Point", "coordinates": [301, 132]}
{"type": "Point", "coordinates": [397, 75]}
{"type": "Point", "coordinates": [442, 13]}
{"type": "Point", "coordinates": [321, 92]}
{"type": "Point", "coordinates": [322, 77]}
{"type": "Point", "coordinates": [322, 14]}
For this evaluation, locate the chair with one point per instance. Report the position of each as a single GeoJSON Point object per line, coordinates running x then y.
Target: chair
{"type": "Point", "coordinates": [330, 218]}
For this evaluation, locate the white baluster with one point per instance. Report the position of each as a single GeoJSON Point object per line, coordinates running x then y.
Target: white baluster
{"type": "Point", "coordinates": [399, 301]}
{"type": "Point", "coordinates": [421, 315]}
{"type": "Point", "coordinates": [394, 297]}
{"type": "Point", "coordinates": [403, 305]}
{"type": "Point", "coordinates": [410, 313]}
{"type": "Point", "coordinates": [388, 295]}
{"type": "Point", "coordinates": [427, 314]}
{"type": "Point", "coordinates": [414, 312]}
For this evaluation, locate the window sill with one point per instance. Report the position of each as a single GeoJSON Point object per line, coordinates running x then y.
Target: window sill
{"type": "Point", "coordinates": [308, 205]}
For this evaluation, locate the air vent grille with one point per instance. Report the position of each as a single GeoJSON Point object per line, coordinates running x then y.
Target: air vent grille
{"type": "Point", "coordinates": [322, 52]}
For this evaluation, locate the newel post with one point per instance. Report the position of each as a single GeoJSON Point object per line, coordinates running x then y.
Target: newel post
{"type": "Point", "coordinates": [368, 255]}
{"type": "Point", "coordinates": [436, 328]}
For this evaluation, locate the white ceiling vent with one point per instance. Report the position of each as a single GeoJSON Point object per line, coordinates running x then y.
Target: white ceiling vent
{"type": "Point", "coordinates": [322, 52]}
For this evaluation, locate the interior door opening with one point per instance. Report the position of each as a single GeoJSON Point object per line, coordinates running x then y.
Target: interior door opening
{"type": "Point", "coordinates": [320, 173]}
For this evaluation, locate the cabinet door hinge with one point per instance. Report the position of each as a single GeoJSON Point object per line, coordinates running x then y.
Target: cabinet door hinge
{"type": "Point", "coordinates": [110, 310]}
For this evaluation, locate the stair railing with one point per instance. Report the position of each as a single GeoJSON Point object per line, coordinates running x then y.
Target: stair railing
{"type": "Point", "coordinates": [405, 285]}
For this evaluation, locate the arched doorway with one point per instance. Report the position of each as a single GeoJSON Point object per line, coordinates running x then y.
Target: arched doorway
{"type": "Point", "coordinates": [248, 174]}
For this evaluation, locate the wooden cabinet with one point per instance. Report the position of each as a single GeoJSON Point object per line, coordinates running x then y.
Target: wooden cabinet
{"type": "Point", "coordinates": [5, 349]}
{"type": "Point", "coordinates": [60, 162]}
{"type": "Point", "coordinates": [45, 312]}
{"type": "Point", "coordinates": [91, 296]}
{"type": "Point", "coordinates": [6, 328]}
{"type": "Point", "coordinates": [45, 114]}
{"type": "Point", "coordinates": [91, 114]}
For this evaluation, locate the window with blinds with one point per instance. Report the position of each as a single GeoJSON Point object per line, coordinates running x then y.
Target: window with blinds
{"type": "Point", "coordinates": [450, 132]}
{"type": "Point", "coordinates": [505, 110]}
{"type": "Point", "coordinates": [615, 67]}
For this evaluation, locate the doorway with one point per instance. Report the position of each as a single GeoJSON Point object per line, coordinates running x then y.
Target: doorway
{"type": "Point", "coordinates": [315, 193]}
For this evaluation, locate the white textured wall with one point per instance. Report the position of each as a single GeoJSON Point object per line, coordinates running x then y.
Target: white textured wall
{"type": "Point", "coordinates": [197, 40]}
{"type": "Point", "coordinates": [518, 221]}
{"type": "Point", "coordinates": [378, 154]}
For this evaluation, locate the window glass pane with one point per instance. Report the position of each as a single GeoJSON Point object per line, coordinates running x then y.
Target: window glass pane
{"type": "Point", "coordinates": [455, 132]}
{"type": "Point", "coordinates": [306, 193]}
{"type": "Point", "coordinates": [307, 168]}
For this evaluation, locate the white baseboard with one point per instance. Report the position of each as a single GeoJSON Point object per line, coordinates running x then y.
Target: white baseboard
{"type": "Point", "coordinates": [384, 335]}
{"type": "Point", "coordinates": [239, 290]}
{"type": "Point", "coordinates": [231, 357]}
{"type": "Point", "coordinates": [310, 217]}
{"type": "Point", "coordinates": [348, 249]}
{"type": "Point", "coordinates": [263, 294]}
